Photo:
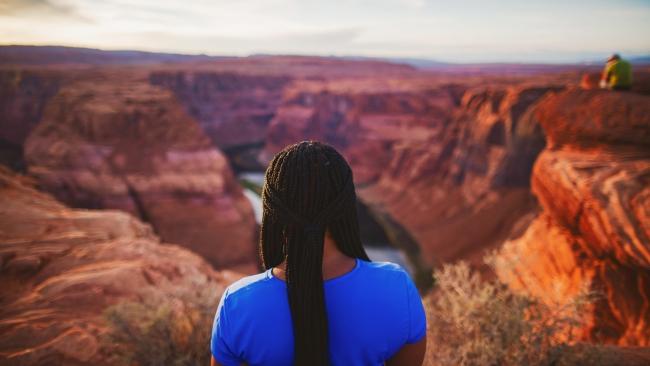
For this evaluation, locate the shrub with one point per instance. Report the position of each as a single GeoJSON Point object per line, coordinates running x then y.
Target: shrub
{"type": "Point", "coordinates": [471, 323]}
{"type": "Point", "coordinates": [156, 333]}
{"type": "Point", "coordinates": [475, 322]}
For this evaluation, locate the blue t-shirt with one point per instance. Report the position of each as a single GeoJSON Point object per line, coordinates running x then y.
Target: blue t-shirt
{"type": "Point", "coordinates": [372, 311]}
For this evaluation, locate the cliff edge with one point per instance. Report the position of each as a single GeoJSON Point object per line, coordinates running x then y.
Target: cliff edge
{"type": "Point", "coordinates": [593, 183]}
{"type": "Point", "coordinates": [60, 268]}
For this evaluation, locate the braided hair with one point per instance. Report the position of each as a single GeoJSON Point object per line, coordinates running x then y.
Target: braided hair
{"type": "Point", "coordinates": [308, 189]}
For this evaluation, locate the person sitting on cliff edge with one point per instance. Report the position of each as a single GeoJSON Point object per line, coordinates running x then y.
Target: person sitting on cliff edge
{"type": "Point", "coordinates": [617, 74]}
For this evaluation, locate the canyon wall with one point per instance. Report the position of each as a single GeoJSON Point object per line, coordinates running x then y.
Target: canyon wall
{"type": "Point", "coordinates": [60, 268]}
{"type": "Point", "coordinates": [448, 162]}
{"type": "Point", "coordinates": [593, 183]}
{"type": "Point", "coordinates": [113, 141]}
{"type": "Point", "coordinates": [465, 189]}
{"type": "Point", "coordinates": [23, 95]}
{"type": "Point", "coordinates": [233, 109]}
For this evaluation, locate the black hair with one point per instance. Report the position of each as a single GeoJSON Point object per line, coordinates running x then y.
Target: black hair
{"type": "Point", "coordinates": [308, 190]}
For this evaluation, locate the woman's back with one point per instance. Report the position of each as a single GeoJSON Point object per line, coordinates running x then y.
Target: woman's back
{"type": "Point", "coordinates": [372, 311]}
{"type": "Point", "coordinates": [365, 314]}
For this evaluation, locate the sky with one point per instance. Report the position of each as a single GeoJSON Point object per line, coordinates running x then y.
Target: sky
{"type": "Point", "coordinates": [452, 30]}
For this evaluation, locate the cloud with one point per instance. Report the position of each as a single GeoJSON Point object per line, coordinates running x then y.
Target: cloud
{"type": "Point", "coordinates": [39, 8]}
{"type": "Point", "coordinates": [320, 42]}
{"type": "Point", "coordinates": [415, 3]}
{"type": "Point", "coordinates": [323, 38]}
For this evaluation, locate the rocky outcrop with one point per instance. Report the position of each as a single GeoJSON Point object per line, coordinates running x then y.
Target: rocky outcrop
{"type": "Point", "coordinates": [593, 182]}
{"type": "Point", "coordinates": [60, 268]}
{"type": "Point", "coordinates": [596, 119]}
{"type": "Point", "coordinates": [640, 80]}
{"type": "Point", "coordinates": [124, 144]}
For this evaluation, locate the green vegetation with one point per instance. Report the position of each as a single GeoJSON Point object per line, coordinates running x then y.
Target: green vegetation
{"type": "Point", "coordinates": [245, 183]}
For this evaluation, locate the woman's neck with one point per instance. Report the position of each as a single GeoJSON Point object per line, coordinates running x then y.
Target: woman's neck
{"type": "Point", "coordinates": [335, 263]}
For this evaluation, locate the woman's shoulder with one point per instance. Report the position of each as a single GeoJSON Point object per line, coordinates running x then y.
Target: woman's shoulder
{"type": "Point", "coordinates": [384, 266]}
{"type": "Point", "coordinates": [249, 286]}
{"type": "Point", "coordinates": [387, 278]}
{"type": "Point", "coordinates": [385, 270]}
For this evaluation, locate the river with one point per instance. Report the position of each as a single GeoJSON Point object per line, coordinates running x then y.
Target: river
{"type": "Point", "coordinates": [378, 252]}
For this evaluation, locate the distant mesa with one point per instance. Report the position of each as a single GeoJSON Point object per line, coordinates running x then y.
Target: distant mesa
{"type": "Point", "coordinates": [44, 55]}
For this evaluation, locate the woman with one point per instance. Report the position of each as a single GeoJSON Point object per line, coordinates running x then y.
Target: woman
{"type": "Point", "coordinates": [320, 301]}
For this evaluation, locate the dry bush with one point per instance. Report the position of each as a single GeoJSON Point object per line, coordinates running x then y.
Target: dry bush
{"type": "Point", "coordinates": [471, 323]}
{"type": "Point", "coordinates": [160, 332]}
{"type": "Point", "coordinates": [474, 322]}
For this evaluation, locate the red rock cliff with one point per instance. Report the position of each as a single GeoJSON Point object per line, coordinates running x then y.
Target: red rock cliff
{"type": "Point", "coordinates": [124, 144]}
{"type": "Point", "coordinates": [450, 163]}
{"type": "Point", "coordinates": [60, 268]}
{"type": "Point", "coordinates": [593, 182]}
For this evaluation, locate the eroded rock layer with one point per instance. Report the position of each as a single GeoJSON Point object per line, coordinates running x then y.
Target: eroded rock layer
{"type": "Point", "coordinates": [61, 268]}
{"type": "Point", "coordinates": [124, 144]}
{"type": "Point", "coordinates": [593, 182]}
{"type": "Point", "coordinates": [449, 162]}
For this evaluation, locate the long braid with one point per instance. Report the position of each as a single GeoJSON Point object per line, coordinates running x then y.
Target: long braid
{"type": "Point", "coordinates": [308, 189]}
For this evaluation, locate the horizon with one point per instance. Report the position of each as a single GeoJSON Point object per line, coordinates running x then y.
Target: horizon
{"type": "Point", "coordinates": [414, 61]}
{"type": "Point", "coordinates": [550, 32]}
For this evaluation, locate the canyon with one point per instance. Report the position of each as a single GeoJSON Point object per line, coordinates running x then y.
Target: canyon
{"type": "Point", "coordinates": [435, 156]}
{"type": "Point", "coordinates": [550, 177]}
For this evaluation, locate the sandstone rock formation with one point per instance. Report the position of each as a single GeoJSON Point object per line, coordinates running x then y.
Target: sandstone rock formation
{"type": "Point", "coordinates": [116, 142]}
{"type": "Point", "coordinates": [593, 182]}
{"type": "Point", "coordinates": [467, 188]}
{"type": "Point", "coordinates": [448, 162]}
{"type": "Point", "coordinates": [60, 268]}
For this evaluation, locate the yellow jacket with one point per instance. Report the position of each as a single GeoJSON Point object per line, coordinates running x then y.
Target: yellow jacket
{"type": "Point", "coordinates": [618, 73]}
